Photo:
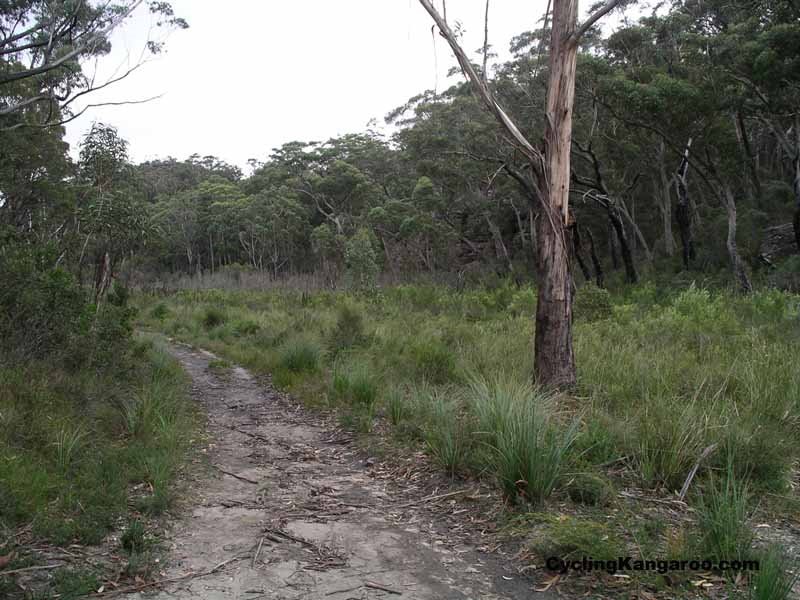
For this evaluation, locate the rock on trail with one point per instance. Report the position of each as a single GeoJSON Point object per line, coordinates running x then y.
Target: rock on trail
{"type": "Point", "coordinates": [286, 511]}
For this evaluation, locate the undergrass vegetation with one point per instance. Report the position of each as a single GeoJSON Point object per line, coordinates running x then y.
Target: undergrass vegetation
{"type": "Point", "coordinates": [672, 380]}
{"type": "Point", "coordinates": [73, 443]}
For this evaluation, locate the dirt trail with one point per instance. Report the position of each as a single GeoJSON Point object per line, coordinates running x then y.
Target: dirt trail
{"type": "Point", "coordinates": [290, 512]}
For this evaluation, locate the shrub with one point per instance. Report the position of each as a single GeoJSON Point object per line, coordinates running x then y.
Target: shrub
{"type": "Point", "coordinates": [669, 436]}
{"type": "Point", "coordinates": [349, 329]}
{"type": "Point", "coordinates": [160, 312]}
{"type": "Point", "coordinates": [573, 537]}
{"type": "Point", "coordinates": [433, 361]}
{"type": "Point", "coordinates": [590, 488]}
{"type": "Point", "coordinates": [132, 539]}
{"type": "Point", "coordinates": [354, 385]}
{"type": "Point", "coordinates": [592, 303]}
{"type": "Point", "coordinates": [300, 355]}
{"type": "Point", "coordinates": [361, 262]}
{"type": "Point", "coordinates": [523, 303]}
{"type": "Point", "coordinates": [213, 317]}
{"type": "Point", "coordinates": [245, 327]}
{"type": "Point", "coordinates": [529, 450]}
{"type": "Point", "coordinates": [42, 308]}
{"type": "Point", "coordinates": [398, 406]}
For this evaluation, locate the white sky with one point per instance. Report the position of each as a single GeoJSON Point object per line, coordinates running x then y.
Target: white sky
{"type": "Point", "coordinates": [250, 75]}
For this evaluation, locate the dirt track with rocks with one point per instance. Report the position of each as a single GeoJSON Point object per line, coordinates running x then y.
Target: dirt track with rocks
{"type": "Point", "coordinates": [288, 510]}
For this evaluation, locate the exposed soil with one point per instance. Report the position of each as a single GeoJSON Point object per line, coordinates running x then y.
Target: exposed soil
{"type": "Point", "coordinates": [288, 509]}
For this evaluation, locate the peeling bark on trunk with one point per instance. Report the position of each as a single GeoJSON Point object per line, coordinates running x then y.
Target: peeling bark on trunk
{"type": "Point", "coordinates": [554, 357]}
{"type": "Point", "coordinates": [737, 264]}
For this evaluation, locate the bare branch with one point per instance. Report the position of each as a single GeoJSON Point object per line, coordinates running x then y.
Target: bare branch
{"type": "Point", "coordinates": [482, 90]}
{"type": "Point", "coordinates": [592, 19]}
{"type": "Point", "coordinates": [94, 38]}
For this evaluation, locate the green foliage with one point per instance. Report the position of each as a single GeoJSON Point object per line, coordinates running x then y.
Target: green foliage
{"type": "Point", "coordinates": [361, 262]}
{"type": "Point", "coordinates": [160, 312]}
{"type": "Point", "coordinates": [433, 361]}
{"type": "Point", "coordinates": [572, 537]}
{"type": "Point", "coordinates": [592, 303]}
{"type": "Point", "coordinates": [774, 579]}
{"type": "Point", "coordinates": [71, 457]}
{"type": "Point", "coordinates": [74, 583]}
{"type": "Point", "coordinates": [445, 430]}
{"type": "Point", "coordinates": [349, 330]}
{"type": "Point", "coordinates": [213, 317]}
{"type": "Point", "coordinates": [590, 489]}
{"type": "Point", "coordinates": [133, 537]}
{"type": "Point", "coordinates": [300, 355]}
{"type": "Point", "coordinates": [354, 385]}
{"type": "Point", "coordinates": [723, 514]}
{"type": "Point", "coordinates": [529, 448]}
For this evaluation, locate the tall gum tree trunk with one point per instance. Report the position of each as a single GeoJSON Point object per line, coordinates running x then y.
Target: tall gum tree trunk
{"type": "Point", "coordinates": [554, 357]}
{"type": "Point", "coordinates": [737, 264]}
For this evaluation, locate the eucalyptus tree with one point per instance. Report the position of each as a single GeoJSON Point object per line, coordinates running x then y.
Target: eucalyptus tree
{"type": "Point", "coordinates": [43, 47]}
{"type": "Point", "coordinates": [110, 211]}
{"type": "Point", "coordinates": [554, 358]}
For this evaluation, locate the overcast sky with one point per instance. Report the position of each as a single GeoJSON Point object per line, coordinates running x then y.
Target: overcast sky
{"type": "Point", "coordinates": [250, 75]}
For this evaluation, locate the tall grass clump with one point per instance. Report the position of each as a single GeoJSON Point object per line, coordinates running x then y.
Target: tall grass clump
{"type": "Point", "coordinates": [668, 437]}
{"type": "Point", "coordinates": [528, 447]}
{"type": "Point", "coordinates": [356, 389]}
{"type": "Point", "coordinates": [349, 329]}
{"type": "Point", "coordinates": [776, 575]}
{"type": "Point", "coordinates": [444, 428]}
{"type": "Point", "coordinates": [723, 511]}
{"type": "Point", "coordinates": [300, 355]}
{"type": "Point", "coordinates": [433, 361]}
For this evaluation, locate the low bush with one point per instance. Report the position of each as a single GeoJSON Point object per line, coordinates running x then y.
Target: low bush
{"type": "Point", "coordinates": [300, 355]}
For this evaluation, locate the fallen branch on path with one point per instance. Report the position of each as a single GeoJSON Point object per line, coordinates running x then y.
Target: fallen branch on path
{"type": "Point", "coordinates": [383, 588]}
{"type": "Point", "coordinates": [240, 477]}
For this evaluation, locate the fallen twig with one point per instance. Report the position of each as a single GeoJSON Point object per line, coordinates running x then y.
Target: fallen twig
{"type": "Point", "coordinates": [240, 477]}
{"type": "Point", "coordinates": [289, 536]}
{"type": "Point", "coordinates": [432, 499]}
{"type": "Point", "coordinates": [258, 551]}
{"type": "Point", "coordinates": [144, 586]}
{"type": "Point", "coordinates": [703, 455]}
{"type": "Point", "coordinates": [22, 570]}
{"type": "Point", "coordinates": [383, 588]}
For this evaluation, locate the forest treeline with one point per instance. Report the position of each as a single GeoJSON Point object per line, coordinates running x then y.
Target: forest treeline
{"type": "Point", "coordinates": [686, 147]}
